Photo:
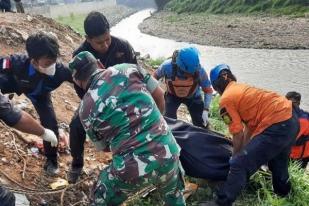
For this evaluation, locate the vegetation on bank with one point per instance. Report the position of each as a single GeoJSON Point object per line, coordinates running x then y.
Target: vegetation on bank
{"type": "Point", "coordinates": [286, 7]}
{"type": "Point", "coordinates": [73, 20]}
{"type": "Point", "coordinates": [259, 190]}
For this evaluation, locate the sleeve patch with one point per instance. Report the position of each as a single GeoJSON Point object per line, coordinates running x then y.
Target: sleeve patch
{"type": "Point", "coordinates": [225, 116]}
{"type": "Point", "coordinates": [5, 64]}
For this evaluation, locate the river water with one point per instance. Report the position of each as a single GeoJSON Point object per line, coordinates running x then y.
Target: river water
{"type": "Point", "coordinates": [278, 70]}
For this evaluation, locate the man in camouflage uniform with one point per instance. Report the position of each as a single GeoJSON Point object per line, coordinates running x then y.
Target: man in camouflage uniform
{"type": "Point", "coordinates": [119, 114]}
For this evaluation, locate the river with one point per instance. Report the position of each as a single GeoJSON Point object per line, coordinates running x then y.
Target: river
{"type": "Point", "coordinates": [278, 70]}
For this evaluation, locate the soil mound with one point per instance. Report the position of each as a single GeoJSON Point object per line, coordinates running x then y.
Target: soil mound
{"type": "Point", "coordinates": [20, 162]}
{"type": "Point", "coordinates": [15, 29]}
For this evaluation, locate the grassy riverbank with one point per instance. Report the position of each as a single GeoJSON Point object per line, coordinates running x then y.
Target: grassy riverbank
{"type": "Point", "coordinates": [259, 190]}
{"type": "Point", "coordinates": [230, 30]}
{"type": "Point", "coordinates": [260, 24]}
{"type": "Point", "coordinates": [74, 20]}
{"type": "Point", "coordinates": [114, 14]}
{"type": "Point", "coordinates": [289, 7]}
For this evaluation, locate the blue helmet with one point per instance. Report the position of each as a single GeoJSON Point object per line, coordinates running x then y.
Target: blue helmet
{"type": "Point", "coordinates": [215, 72]}
{"type": "Point", "coordinates": [188, 59]}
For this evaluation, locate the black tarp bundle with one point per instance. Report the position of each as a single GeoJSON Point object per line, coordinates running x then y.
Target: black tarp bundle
{"type": "Point", "coordinates": [204, 153]}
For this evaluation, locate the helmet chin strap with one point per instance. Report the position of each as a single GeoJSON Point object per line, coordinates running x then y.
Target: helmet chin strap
{"type": "Point", "coordinates": [174, 56]}
{"type": "Point", "coordinates": [224, 75]}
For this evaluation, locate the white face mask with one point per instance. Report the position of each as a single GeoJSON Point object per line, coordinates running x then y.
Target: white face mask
{"type": "Point", "coordinates": [50, 71]}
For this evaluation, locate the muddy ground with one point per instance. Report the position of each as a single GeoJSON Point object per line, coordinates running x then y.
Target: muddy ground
{"type": "Point", "coordinates": [20, 165]}
{"type": "Point", "coordinates": [237, 31]}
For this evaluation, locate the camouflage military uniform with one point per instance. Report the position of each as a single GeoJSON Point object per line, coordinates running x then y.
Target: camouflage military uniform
{"type": "Point", "coordinates": [119, 113]}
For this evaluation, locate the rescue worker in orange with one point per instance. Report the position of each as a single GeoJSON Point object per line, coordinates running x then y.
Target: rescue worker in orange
{"type": "Point", "coordinates": [300, 150]}
{"type": "Point", "coordinates": [185, 78]}
{"type": "Point", "coordinates": [271, 127]}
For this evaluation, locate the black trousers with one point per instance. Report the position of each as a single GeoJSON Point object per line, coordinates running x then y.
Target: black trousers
{"type": "Point", "coordinates": [195, 106]}
{"type": "Point", "coordinates": [7, 198]}
{"type": "Point", "coordinates": [77, 140]}
{"type": "Point", "coordinates": [5, 5]}
{"type": "Point", "coordinates": [43, 106]}
{"type": "Point", "coordinates": [272, 146]}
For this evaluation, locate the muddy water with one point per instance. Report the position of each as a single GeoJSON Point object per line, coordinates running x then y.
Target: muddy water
{"type": "Point", "coordinates": [278, 70]}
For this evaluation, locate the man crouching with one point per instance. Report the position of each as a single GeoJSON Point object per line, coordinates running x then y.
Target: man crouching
{"type": "Point", "coordinates": [119, 113]}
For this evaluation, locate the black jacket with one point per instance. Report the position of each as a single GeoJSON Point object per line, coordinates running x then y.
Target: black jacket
{"type": "Point", "coordinates": [17, 75]}
{"type": "Point", "coordinates": [8, 113]}
{"type": "Point", "coordinates": [5, 5]}
{"type": "Point", "coordinates": [120, 51]}
{"type": "Point", "coordinates": [26, 80]}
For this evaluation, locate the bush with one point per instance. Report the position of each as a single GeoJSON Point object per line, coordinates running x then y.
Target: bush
{"type": "Point", "coordinates": [295, 7]}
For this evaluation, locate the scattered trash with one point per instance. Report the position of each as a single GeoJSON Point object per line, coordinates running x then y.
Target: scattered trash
{"type": "Point", "coordinates": [4, 160]}
{"type": "Point", "coordinates": [35, 151]}
{"type": "Point", "coordinates": [21, 200]}
{"type": "Point", "coordinates": [39, 144]}
{"type": "Point", "coordinates": [59, 183]}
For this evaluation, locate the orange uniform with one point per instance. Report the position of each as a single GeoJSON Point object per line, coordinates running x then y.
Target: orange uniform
{"type": "Point", "coordinates": [301, 147]}
{"type": "Point", "coordinates": [304, 127]}
{"type": "Point", "coordinates": [257, 108]}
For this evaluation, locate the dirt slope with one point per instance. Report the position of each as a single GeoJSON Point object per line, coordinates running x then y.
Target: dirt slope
{"type": "Point", "coordinates": [19, 167]}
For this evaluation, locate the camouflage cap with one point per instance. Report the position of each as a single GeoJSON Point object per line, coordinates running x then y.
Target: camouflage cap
{"type": "Point", "coordinates": [83, 65]}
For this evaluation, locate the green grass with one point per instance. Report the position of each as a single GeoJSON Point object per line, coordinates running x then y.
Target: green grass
{"type": "Point", "coordinates": [276, 7]}
{"type": "Point", "coordinates": [155, 62]}
{"type": "Point", "coordinates": [73, 20]}
{"type": "Point", "coordinates": [258, 191]}
{"type": "Point", "coordinates": [215, 119]}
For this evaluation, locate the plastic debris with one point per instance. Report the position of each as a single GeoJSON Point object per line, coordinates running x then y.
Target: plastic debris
{"type": "Point", "coordinates": [59, 183]}
{"type": "Point", "coordinates": [35, 151]}
{"type": "Point", "coordinates": [21, 200]}
{"type": "Point", "coordinates": [4, 160]}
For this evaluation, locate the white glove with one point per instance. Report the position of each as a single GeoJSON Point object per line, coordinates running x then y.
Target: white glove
{"type": "Point", "coordinates": [50, 136]}
{"type": "Point", "coordinates": [205, 117]}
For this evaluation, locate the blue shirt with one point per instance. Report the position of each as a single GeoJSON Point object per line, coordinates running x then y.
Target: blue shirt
{"type": "Point", "coordinates": [27, 80]}
{"type": "Point", "coordinates": [166, 70]}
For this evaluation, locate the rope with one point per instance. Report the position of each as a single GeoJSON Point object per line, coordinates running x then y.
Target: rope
{"type": "Point", "coordinates": [31, 191]}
